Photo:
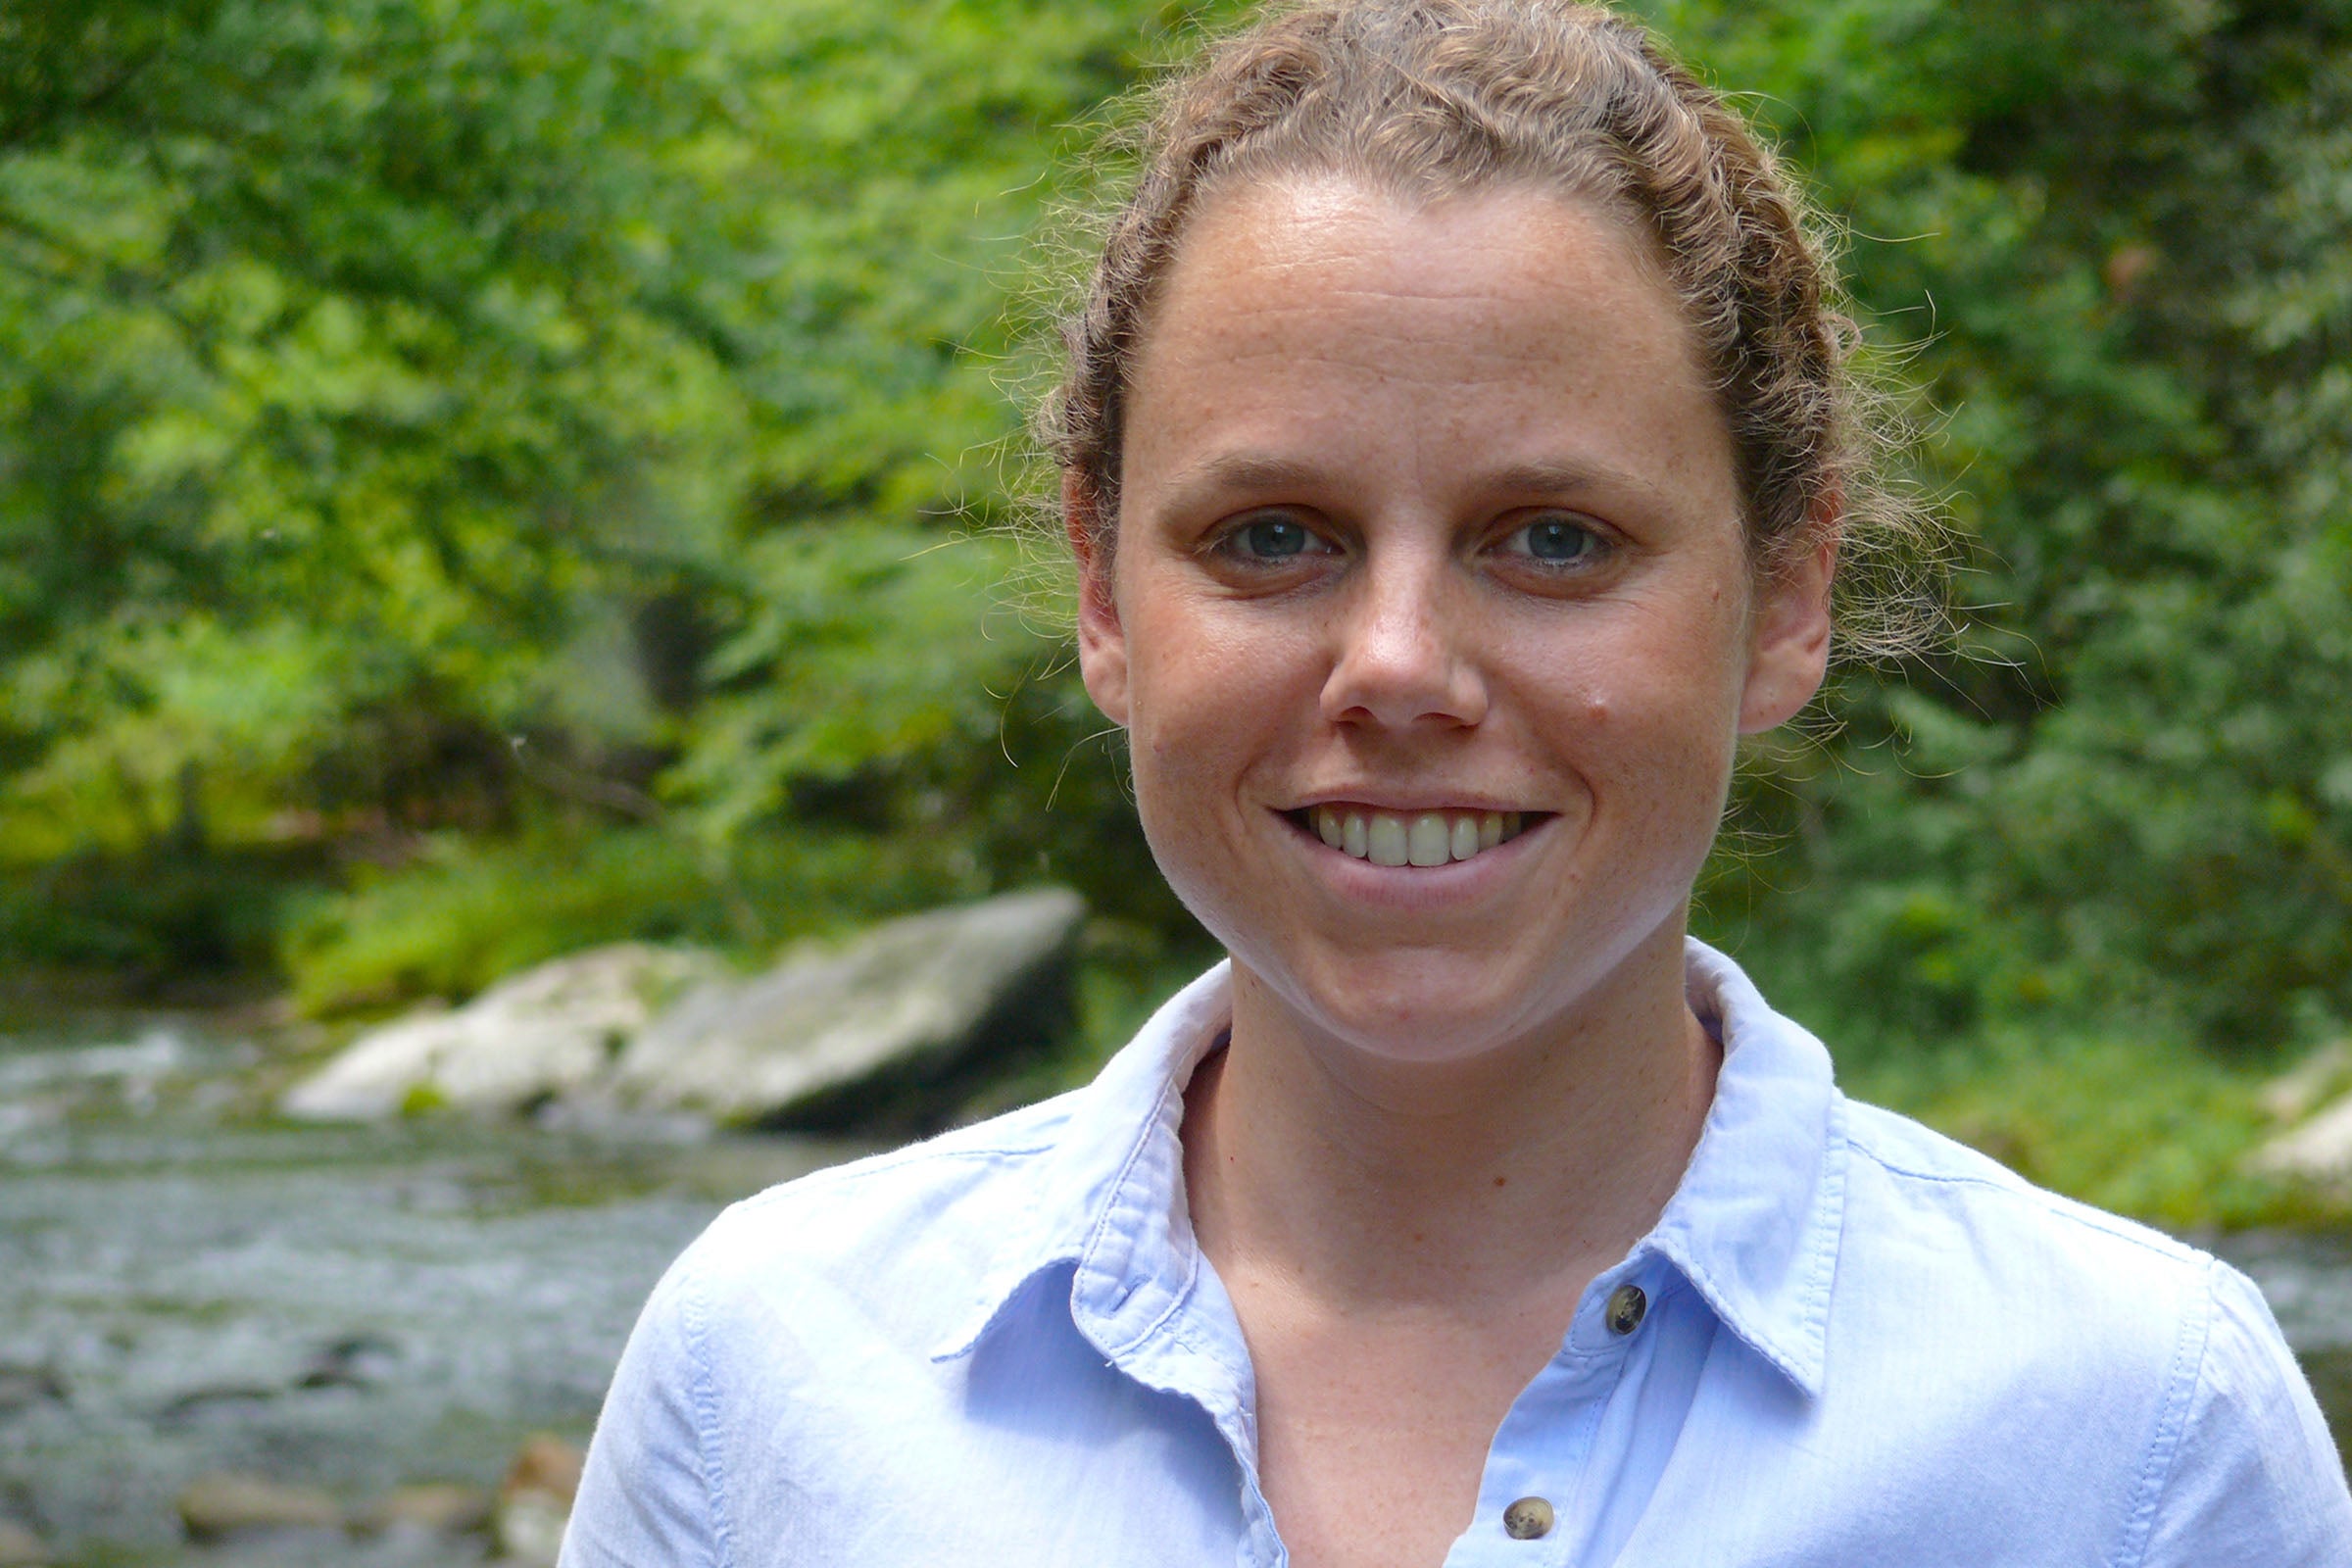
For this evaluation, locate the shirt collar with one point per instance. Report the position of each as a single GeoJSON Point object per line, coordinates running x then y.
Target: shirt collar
{"type": "Point", "coordinates": [1110, 1197]}
{"type": "Point", "coordinates": [1754, 1224]}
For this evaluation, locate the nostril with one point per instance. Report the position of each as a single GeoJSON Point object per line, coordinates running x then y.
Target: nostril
{"type": "Point", "coordinates": [1403, 679]}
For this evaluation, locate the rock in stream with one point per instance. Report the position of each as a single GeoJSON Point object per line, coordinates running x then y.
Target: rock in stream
{"type": "Point", "coordinates": [883, 1032]}
{"type": "Point", "coordinates": [534, 1037]}
{"type": "Point", "coordinates": [889, 1030]}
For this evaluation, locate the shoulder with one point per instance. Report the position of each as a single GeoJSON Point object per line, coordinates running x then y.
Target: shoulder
{"type": "Point", "coordinates": [2255, 1476]}
{"type": "Point", "coordinates": [1938, 1234]}
{"type": "Point", "coordinates": [928, 1214]}
{"type": "Point", "coordinates": [2074, 1337]}
{"type": "Point", "coordinates": [793, 1312]}
{"type": "Point", "coordinates": [1906, 1172]}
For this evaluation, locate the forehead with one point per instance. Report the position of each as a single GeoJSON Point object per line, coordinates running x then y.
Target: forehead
{"type": "Point", "coordinates": [1340, 211]}
{"type": "Point", "coordinates": [1325, 321]}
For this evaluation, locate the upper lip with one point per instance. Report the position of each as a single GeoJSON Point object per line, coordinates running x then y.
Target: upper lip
{"type": "Point", "coordinates": [1408, 803]}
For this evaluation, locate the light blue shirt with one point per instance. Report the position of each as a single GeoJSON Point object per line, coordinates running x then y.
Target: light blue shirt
{"type": "Point", "coordinates": [1864, 1346]}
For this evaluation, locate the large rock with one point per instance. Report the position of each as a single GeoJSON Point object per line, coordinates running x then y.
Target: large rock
{"type": "Point", "coordinates": [538, 1036]}
{"type": "Point", "coordinates": [2315, 1097]}
{"type": "Point", "coordinates": [885, 1032]}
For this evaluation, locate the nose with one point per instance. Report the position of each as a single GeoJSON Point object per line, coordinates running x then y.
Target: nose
{"type": "Point", "coordinates": [1403, 656]}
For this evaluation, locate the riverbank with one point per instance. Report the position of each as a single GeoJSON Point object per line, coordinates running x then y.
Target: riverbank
{"type": "Point", "coordinates": [2160, 1132]}
{"type": "Point", "coordinates": [189, 1287]}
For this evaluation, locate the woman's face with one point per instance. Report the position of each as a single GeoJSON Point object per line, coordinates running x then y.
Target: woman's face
{"type": "Point", "coordinates": [1428, 518]}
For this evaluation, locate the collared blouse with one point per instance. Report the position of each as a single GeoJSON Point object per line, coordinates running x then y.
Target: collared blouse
{"type": "Point", "coordinates": [1849, 1343]}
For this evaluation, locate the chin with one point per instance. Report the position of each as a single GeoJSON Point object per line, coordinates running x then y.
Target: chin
{"type": "Point", "coordinates": [1409, 1007]}
{"type": "Point", "coordinates": [1434, 1004]}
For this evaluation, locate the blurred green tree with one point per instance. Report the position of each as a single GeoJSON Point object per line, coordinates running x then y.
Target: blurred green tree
{"type": "Point", "coordinates": [343, 392]}
{"type": "Point", "coordinates": [2120, 234]}
{"type": "Point", "coordinates": [464, 415]}
{"type": "Point", "coordinates": [443, 416]}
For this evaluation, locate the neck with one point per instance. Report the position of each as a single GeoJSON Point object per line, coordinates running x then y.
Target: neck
{"type": "Point", "coordinates": [1362, 1181]}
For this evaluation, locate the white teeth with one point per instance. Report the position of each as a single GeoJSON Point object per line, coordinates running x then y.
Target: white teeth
{"type": "Point", "coordinates": [1425, 838]}
{"type": "Point", "coordinates": [1429, 840]}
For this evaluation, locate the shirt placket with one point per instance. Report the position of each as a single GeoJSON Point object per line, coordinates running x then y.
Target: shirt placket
{"type": "Point", "coordinates": [1156, 1309]}
{"type": "Point", "coordinates": [1536, 1491]}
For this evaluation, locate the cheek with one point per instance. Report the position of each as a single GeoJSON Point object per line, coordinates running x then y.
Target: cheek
{"type": "Point", "coordinates": [1207, 668]}
{"type": "Point", "coordinates": [1196, 694]}
{"type": "Point", "coordinates": [1649, 707]}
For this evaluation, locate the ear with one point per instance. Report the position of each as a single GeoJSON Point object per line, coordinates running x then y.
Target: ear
{"type": "Point", "coordinates": [1791, 651]}
{"type": "Point", "coordinates": [1101, 640]}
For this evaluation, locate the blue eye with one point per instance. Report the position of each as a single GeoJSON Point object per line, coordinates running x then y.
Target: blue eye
{"type": "Point", "coordinates": [1558, 541]}
{"type": "Point", "coordinates": [1272, 539]}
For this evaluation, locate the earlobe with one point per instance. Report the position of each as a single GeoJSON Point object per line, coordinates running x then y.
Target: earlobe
{"type": "Point", "coordinates": [1101, 640]}
{"type": "Point", "coordinates": [1791, 655]}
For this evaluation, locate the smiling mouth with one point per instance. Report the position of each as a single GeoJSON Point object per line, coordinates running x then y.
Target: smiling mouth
{"type": "Point", "coordinates": [1412, 838]}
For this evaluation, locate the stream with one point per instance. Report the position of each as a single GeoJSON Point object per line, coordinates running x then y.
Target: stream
{"type": "Point", "coordinates": [187, 1286]}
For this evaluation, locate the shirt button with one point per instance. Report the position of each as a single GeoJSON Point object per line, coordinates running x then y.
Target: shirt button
{"type": "Point", "coordinates": [1627, 1307]}
{"type": "Point", "coordinates": [1528, 1519]}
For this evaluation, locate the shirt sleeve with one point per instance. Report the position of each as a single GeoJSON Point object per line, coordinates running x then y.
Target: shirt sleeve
{"type": "Point", "coordinates": [649, 1494]}
{"type": "Point", "coordinates": [2256, 1478]}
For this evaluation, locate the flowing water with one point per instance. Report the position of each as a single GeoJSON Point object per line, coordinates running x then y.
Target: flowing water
{"type": "Point", "coordinates": [185, 1287]}
{"type": "Point", "coordinates": [188, 1286]}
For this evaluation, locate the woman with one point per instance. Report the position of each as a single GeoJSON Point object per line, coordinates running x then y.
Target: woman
{"type": "Point", "coordinates": [1458, 450]}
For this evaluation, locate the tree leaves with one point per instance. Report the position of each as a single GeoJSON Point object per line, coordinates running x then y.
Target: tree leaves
{"type": "Point", "coordinates": [386, 386]}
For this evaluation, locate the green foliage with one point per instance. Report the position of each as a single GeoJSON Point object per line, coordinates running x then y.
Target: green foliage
{"type": "Point", "coordinates": [464, 911]}
{"type": "Point", "coordinates": [457, 418]}
{"type": "Point", "coordinates": [2136, 1126]}
{"type": "Point", "coordinates": [2116, 231]}
{"type": "Point", "coordinates": [338, 393]}
{"type": "Point", "coordinates": [153, 919]}
{"type": "Point", "coordinates": [556, 449]}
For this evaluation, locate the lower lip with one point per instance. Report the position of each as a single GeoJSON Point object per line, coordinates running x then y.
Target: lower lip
{"type": "Point", "coordinates": [1408, 886]}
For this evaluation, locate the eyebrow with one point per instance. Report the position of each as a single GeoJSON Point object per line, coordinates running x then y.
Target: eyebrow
{"type": "Point", "coordinates": [1258, 470]}
{"type": "Point", "coordinates": [1580, 474]}
{"type": "Point", "coordinates": [1246, 470]}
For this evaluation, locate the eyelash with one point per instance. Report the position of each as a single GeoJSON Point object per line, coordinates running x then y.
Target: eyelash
{"type": "Point", "coordinates": [1229, 542]}
{"type": "Point", "coordinates": [1596, 546]}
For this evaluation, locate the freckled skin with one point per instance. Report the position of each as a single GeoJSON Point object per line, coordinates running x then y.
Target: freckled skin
{"type": "Point", "coordinates": [1398, 368]}
{"type": "Point", "coordinates": [1348, 426]}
